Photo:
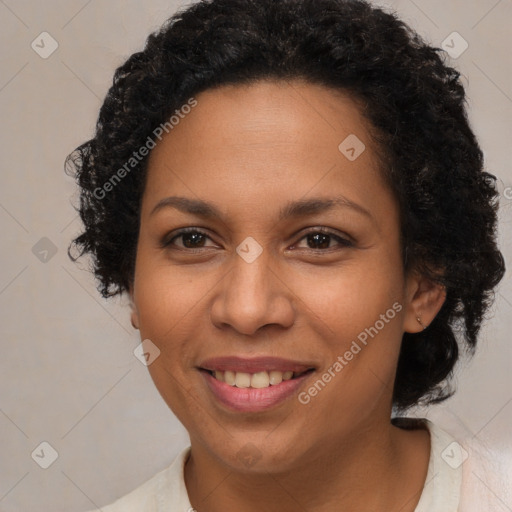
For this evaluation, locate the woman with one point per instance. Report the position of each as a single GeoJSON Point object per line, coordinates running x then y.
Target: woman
{"type": "Point", "coordinates": [292, 197]}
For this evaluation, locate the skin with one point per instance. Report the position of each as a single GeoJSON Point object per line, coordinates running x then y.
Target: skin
{"type": "Point", "coordinates": [249, 150]}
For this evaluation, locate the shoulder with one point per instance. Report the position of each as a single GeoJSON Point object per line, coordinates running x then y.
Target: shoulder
{"type": "Point", "coordinates": [166, 488]}
{"type": "Point", "coordinates": [465, 474]}
{"type": "Point", "coordinates": [486, 467]}
{"type": "Point", "coordinates": [486, 477]}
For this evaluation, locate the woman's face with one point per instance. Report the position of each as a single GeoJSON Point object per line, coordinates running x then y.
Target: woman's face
{"type": "Point", "coordinates": [261, 280]}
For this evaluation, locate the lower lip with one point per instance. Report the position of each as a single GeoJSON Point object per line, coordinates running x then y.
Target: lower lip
{"type": "Point", "coordinates": [253, 399]}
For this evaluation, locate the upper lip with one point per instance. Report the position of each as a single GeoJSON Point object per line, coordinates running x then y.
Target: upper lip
{"type": "Point", "coordinates": [254, 365]}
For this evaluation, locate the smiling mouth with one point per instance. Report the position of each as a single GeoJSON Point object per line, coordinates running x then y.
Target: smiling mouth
{"type": "Point", "coordinates": [257, 380]}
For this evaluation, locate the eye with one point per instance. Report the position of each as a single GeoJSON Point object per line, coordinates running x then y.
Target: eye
{"type": "Point", "coordinates": [320, 239]}
{"type": "Point", "coordinates": [192, 238]}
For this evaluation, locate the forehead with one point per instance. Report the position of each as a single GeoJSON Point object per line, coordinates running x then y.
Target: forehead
{"type": "Point", "coordinates": [266, 140]}
{"type": "Point", "coordinates": [273, 111]}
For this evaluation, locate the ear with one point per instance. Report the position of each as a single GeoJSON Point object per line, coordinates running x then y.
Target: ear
{"type": "Point", "coordinates": [424, 299]}
{"type": "Point", "coordinates": [134, 315]}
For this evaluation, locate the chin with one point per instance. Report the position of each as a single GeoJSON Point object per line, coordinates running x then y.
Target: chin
{"type": "Point", "coordinates": [257, 454]}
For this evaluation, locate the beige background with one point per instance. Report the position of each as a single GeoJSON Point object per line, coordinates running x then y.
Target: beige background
{"type": "Point", "coordinates": [67, 373]}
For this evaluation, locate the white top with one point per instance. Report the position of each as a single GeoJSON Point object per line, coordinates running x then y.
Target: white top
{"type": "Point", "coordinates": [457, 481]}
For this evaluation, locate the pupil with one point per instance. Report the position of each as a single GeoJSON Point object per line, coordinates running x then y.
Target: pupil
{"type": "Point", "coordinates": [194, 236]}
{"type": "Point", "coordinates": [320, 239]}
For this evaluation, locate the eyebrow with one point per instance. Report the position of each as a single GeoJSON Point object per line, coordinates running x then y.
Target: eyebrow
{"type": "Point", "coordinates": [297, 208]}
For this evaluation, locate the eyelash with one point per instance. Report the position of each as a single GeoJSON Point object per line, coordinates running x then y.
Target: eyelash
{"type": "Point", "coordinates": [343, 242]}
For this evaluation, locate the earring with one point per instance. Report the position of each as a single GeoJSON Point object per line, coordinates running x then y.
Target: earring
{"type": "Point", "coordinates": [420, 322]}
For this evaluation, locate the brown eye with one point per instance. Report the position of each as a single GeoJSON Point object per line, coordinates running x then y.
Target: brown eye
{"type": "Point", "coordinates": [321, 239]}
{"type": "Point", "coordinates": [190, 239]}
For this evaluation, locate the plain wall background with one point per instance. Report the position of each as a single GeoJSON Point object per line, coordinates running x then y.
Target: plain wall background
{"type": "Point", "coordinates": [67, 373]}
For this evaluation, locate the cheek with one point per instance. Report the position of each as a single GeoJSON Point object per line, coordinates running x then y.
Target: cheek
{"type": "Point", "coordinates": [358, 313]}
{"type": "Point", "coordinates": [349, 299]}
{"type": "Point", "coordinates": [165, 295]}
{"type": "Point", "coordinates": [167, 303]}
{"type": "Point", "coordinates": [165, 300]}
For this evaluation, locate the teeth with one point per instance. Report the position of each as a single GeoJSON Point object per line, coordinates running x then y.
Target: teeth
{"type": "Point", "coordinates": [242, 380]}
{"type": "Point", "coordinates": [275, 377]}
{"type": "Point", "coordinates": [254, 380]}
{"type": "Point", "coordinates": [260, 380]}
{"type": "Point", "coordinates": [229, 377]}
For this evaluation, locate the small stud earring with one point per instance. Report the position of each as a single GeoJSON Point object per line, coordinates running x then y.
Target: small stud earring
{"type": "Point", "coordinates": [420, 322]}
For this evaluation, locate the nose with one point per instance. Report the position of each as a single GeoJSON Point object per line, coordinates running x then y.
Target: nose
{"type": "Point", "coordinates": [251, 296]}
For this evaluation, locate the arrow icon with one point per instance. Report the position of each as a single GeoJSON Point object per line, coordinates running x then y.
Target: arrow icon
{"type": "Point", "coordinates": [249, 249]}
{"type": "Point", "coordinates": [44, 455]}
{"type": "Point", "coordinates": [146, 352]}
{"type": "Point", "coordinates": [454, 45]}
{"type": "Point", "coordinates": [44, 250]}
{"type": "Point", "coordinates": [44, 45]}
{"type": "Point", "coordinates": [249, 455]}
{"type": "Point", "coordinates": [454, 455]}
{"type": "Point", "coordinates": [351, 147]}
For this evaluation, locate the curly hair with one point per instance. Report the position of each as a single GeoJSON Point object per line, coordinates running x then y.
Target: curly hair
{"type": "Point", "coordinates": [416, 107]}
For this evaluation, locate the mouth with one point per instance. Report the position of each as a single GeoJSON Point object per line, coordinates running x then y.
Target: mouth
{"type": "Point", "coordinates": [253, 385]}
{"type": "Point", "coordinates": [257, 380]}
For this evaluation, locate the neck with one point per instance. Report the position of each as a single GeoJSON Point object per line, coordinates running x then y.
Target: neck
{"type": "Point", "coordinates": [376, 469]}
